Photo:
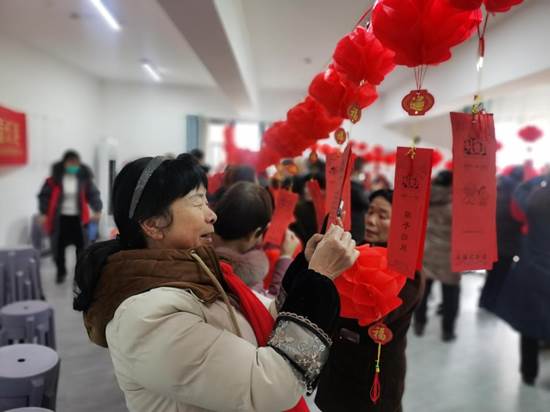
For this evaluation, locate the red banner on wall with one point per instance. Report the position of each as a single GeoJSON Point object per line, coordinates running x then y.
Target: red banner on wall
{"type": "Point", "coordinates": [13, 137]}
{"type": "Point", "coordinates": [411, 199]}
{"type": "Point", "coordinates": [474, 241]}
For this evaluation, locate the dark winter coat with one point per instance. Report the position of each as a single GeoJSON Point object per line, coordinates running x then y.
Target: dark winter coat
{"type": "Point", "coordinates": [437, 249]}
{"type": "Point", "coordinates": [51, 196]}
{"type": "Point", "coordinates": [347, 378]}
{"type": "Point", "coordinates": [524, 301]}
{"type": "Point", "coordinates": [508, 229]}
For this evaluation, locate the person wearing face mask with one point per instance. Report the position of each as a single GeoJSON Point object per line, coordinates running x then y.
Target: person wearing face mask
{"type": "Point", "coordinates": [347, 378]}
{"type": "Point", "coordinates": [64, 202]}
{"type": "Point", "coordinates": [244, 212]}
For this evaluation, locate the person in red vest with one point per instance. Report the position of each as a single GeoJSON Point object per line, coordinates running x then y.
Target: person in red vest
{"type": "Point", "coordinates": [64, 203]}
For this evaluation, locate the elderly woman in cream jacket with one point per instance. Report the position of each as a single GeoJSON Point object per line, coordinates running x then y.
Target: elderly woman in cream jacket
{"type": "Point", "coordinates": [184, 332]}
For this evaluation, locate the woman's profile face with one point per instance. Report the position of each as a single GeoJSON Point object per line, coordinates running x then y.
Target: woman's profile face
{"type": "Point", "coordinates": [192, 222]}
{"type": "Point", "coordinates": [377, 221]}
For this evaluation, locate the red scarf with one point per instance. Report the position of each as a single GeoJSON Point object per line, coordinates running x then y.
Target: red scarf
{"type": "Point", "coordinates": [256, 313]}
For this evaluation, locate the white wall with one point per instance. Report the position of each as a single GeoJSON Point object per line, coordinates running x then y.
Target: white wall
{"type": "Point", "coordinates": [150, 120]}
{"type": "Point", "coordinates": [67, 108]}
{"type": "Point", "coordinates": [61, 104]}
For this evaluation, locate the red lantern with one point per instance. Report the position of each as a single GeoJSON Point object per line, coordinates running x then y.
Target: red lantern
{"type": "Point", "coordinates": [437, 157]}
{"type": "Point", "coordinates": [369, 290]}
{"type": "Point", "coordinates": [339, 96]}
{"type": "Point", "coordinates": [367, 157]}
{"type": "Point", "coordinates": [422, 32]}
{"type": "Point", "coordinates": [466, 4]}
{"type": "Point", "coordinates": [310, 119]}
{"type": "Point", "coordinates": [361, 57]}
{"type": "Point", "coordinates": [361, 147]}
{"type": "Point", "coordinates": [280, 141]}
{"type": "Point", "coordinates": [530, 134]}
{"type": "Point", "coordinates": [492, 6]}
{"type": "Point", "coordinates": [390, 159]}
{"type": "Point", "coordinates": [500, 6]}
{"type": "Point", "coordinates": [377, 154]}
{"type": "Point", "coordinates": [448, 165]}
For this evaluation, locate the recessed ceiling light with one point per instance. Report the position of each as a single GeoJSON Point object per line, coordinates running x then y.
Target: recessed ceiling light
{"type": "Point", "coordinates": [151, 70]}
{"type": "Point", "coordinates": [106, 14]}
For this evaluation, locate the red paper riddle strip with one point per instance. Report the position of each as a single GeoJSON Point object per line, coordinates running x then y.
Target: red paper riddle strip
{"type": "Point", "coordinates": [338, 185]}
{"type": "Point", "coordinates": [282, 217]}
{"type": "Point", "coordinates": [409, 210]}
{"type": "Point", "coordinates": [318, 201]}
{"type": "Point", "coordinates": [474, 244]}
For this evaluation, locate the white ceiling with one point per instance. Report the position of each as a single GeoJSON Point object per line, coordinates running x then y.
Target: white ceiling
{"type": "Point", "coordinates": [283, 34]}
{"type": "Point", "coordinates": [286, 32]}
{"type": "Point", "coordinates": [74, 32]}
{"type": "Point", "coordinates": [240, 46]}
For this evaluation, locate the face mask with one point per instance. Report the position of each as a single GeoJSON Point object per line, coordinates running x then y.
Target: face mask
{"type": "Point", "coordinates": [72, 170]}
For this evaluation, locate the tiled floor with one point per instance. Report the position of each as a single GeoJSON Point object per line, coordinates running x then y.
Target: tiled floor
{"type": "Point", "coordinates": [476, 373]}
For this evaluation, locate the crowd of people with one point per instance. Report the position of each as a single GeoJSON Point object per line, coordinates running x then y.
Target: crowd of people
{"type": "Point", "coordinates": [199, 313]}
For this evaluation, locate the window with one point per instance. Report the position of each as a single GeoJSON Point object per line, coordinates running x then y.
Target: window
{"type": "Point", "coordinates": [247, 136]}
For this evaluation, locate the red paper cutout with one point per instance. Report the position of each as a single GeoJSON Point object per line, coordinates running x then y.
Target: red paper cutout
{"type": "Point", "coordinates": [318, 201]}
{"type": "Point", "coordinates": [338, 185]}
{"type": "Point", "coordinates": [418, 102]}
{"type": "Point", "coordinates": [285, 202]}
{"type": "Point", "coordinates": [474, 244]}
{"type": "Point", "coordinates": [409, 210]}
{"type": "Point", "coordinates": [340, 135]}
{"type": "Point", "coordinates": [380, 333]}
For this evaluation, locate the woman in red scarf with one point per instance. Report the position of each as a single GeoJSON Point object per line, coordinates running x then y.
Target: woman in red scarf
{"type": "Point", "coordinates": [183, 331]}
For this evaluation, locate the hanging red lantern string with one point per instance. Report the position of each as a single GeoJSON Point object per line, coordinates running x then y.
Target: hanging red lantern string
{"type": "Point", "coordinates": [427, 30]}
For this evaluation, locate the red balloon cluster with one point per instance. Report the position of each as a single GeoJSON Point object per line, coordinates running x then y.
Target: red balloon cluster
{"type": "Point", "coordinates": [369, 290]}
{"type": "Point", "coordinates": [492, 6]}
{"type": "Point", "coordinates": [422, 32]}
{"type": "Point", "coordinates": [530, 134]}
